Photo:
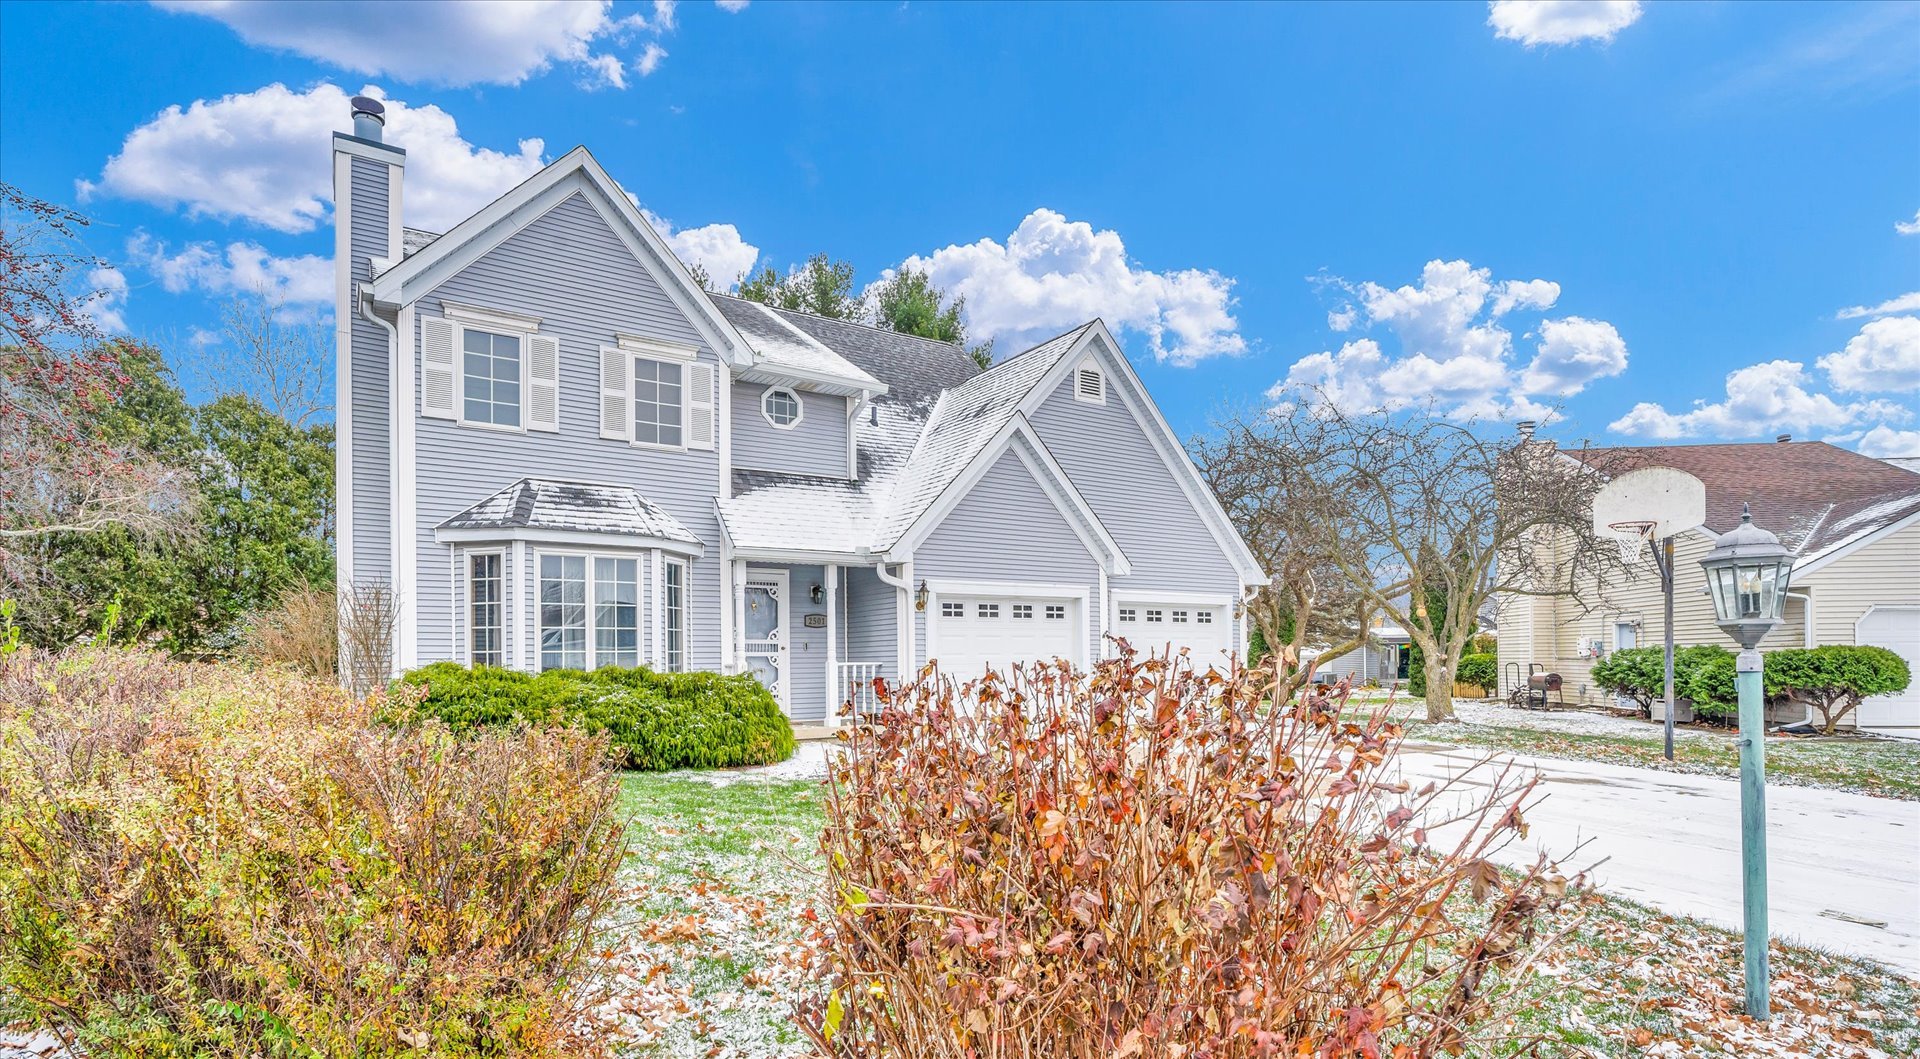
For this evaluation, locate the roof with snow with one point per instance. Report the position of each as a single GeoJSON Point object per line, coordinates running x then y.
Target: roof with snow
{"type": "Point", "coordinates": [538, 503]}
{"type": "Point", "coordinates": [1818, 498]}
{"type": "Point", "coordinates": [785, 353]}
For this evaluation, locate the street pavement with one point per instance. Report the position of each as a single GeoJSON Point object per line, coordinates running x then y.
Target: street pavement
{"type": "Point", "coordinates": [1843, 869]}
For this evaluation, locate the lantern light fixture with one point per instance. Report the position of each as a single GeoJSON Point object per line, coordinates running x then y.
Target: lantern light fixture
{"type": "Point", "coordinates": [1747, 574]}
{"type": "Point", "coordinates": [817, 593]}
{"type": "Point", "coordinates": [920, 597]}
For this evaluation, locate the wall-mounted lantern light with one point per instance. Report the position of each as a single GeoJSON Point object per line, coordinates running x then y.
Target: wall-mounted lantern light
{"type": "Point", "coordinates": [817, 593]}
{"type": "Point", "coordinates": [920, 597]}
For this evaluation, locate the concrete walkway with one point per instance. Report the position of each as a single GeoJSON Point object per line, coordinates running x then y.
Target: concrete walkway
{"type": "Point", "coordinates": [1843, 869]}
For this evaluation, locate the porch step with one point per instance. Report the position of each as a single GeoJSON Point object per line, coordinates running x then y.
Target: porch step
{"type": "Point", "coordinates": [805, 732]}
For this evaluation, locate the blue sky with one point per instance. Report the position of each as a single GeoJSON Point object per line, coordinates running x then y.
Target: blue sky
{"type": "Point", "coordinates": [1669, 221]}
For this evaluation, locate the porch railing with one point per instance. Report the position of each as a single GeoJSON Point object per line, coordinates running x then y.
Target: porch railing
{"type": "Point", "coordinates": [856, 686]}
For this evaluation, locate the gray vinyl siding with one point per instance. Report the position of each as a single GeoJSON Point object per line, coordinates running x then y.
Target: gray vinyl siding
{"type": "Point", "coordinates": [572, 271]}
{"type": "Point", "coordinates": [871, 616]}
{"type": "Point", "coordinates": [816, 445]}
{"type": "Point", "coordinates": [371, 383]}
{"type": "Point", "coordinates": [1007, 529]}
{"type": "Point", "coordinates": [1107, 454]}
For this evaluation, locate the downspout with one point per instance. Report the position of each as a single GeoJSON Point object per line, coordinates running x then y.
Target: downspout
{"type": "Point", "coordinates": [903, 632]}
{"type": "Point", "coordinates": [1806, 640]}
{"type": "Point", "coordinates": [398, 534]}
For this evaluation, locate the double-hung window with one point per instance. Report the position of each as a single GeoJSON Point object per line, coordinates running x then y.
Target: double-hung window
{"type": "Point", "coordinates": [674, 618]}
{"type": "Point", "coordinates": [616, 612]}
{"type": "Point", "coordinates": [657, 402]}
{"type": "Point", "coordinates": [485, 644]}
{"type": "Point", "coordinates": [563, 612]}
{"type": "Point", "coordinates": [490, 378]}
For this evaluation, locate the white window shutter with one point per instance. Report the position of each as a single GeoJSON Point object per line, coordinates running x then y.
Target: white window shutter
{"type": "Point", "coordinates": [436, 367]}
{"type": "Point", "coordinates": [543, 383]}
{"type": "Point", "coordinates": [699, 406]}
{"type": "Point", "coordinates": [616, 393]}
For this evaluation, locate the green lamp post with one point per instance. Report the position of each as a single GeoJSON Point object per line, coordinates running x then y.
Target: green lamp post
{"type": "Point", "coordinates": [1747, 574]}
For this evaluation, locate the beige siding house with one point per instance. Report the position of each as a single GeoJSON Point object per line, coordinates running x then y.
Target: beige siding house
{"type": "Point", "coordinates": [1854, 522]}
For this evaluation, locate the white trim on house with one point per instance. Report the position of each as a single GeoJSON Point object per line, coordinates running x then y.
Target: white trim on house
{"type": "Point", "coordinates": [1177, 599]}
{"type": "Point", "coordinates": [489, 319]}
{"type": "Point", "coordinates": [343, 317]}
{"type": "Point", "coordinates": [1019, 437]}
{"type": "Point", "coordinates": [506, 216]}
{"type": "Point", "coordinates": [589, 555]}
{"type": "Point", "coordinates": [386, 153]}
{"type": "Point", "coordinates": [462, 601]}
{"type": "Point", "coordinates": [1159, 433]}
{"type": "Point", "coordinates": [406, 489]}
{"type": "Point", "coordinates": [559, 537]}
{"type": "Point", "coordinates": [1089, 382]}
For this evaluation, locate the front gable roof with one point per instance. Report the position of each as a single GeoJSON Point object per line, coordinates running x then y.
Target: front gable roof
{"type": "Point", "coordinates": [576, 172]}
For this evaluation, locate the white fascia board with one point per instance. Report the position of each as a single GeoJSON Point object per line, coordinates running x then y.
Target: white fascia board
{"type": "Point", "coordinates": [1037, 589]}
{"type": "Point", "coordinates": [804, 557]}
{"type": "Point", "coordinates": [1018, 435]}
{"type": "Point", "coordinates": [343, 317]}
{"type": "Point", "coordinates": [576, 171]}
{"type": "Point", "coordinates": [1192, 599]}
{"type": "Point", "coordinates": [384, 153]}
{"type": "Point", "coordinates": [566, 538]}
{"type": "Point", "coordinates": [1160, 434]}
{"type": "Point", "coordinates": [767, 373]}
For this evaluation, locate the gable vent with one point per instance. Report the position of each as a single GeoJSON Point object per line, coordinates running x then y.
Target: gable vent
{"type": "Point", "coordinates": [1089, 385]}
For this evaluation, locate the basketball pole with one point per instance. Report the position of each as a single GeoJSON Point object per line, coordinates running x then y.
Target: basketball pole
{"type": "Point", "coordinates": [1663, 558]}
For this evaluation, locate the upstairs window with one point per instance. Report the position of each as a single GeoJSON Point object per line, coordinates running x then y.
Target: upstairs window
{"type": "Point", "coordinates": [1090, 386]}
{"type": "Point", "coordinates": [657, 400]}
{"type": "Point", "coordinates": [782, 408]}
{"type": "Point", "coordinates": [490, 374]}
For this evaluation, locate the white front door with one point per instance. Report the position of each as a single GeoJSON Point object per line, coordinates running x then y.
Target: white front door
{"type": "Point", "coordinates": [765, 630]}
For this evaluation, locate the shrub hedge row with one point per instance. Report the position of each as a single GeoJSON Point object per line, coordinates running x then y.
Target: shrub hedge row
{"type": "Point", "coordinates": [655, 721]}
{"type": "Point", "coordinates": [1834, 678]}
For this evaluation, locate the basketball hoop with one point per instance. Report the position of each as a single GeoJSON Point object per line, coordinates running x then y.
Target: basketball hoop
{"type": "Point", "coordinates": [1630, 535]}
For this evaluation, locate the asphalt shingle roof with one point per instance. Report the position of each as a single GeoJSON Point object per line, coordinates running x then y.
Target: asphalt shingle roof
{"type": "Point", "coordinates": [1816, 497]}
{"type": "Point", "coordinates": [774, 340]}
{"type": "Point", "coordinates": [538, 503]}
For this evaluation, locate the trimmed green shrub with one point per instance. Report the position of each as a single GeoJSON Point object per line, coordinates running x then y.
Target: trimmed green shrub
{"type": "Point", "coordinates": [1480, 670]}
{"type": "Point", "coordinates": [1709, 682]}
{"type": "Point", "coordinates": [655, 721]}
{"type": "Point", "coordinates": [1639, 673]}
{"type": "Point", "coordinates": [1835, 678]}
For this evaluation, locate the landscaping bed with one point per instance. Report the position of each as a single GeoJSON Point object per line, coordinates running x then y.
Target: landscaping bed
{"type": "Point", "coordinates": [733, 868]}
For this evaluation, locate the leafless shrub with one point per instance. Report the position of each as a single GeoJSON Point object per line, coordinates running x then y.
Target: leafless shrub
{"type": "Point", "coordinates": [1150, 861]}
{"type": "Point", "coordinates": [369, 613]}
{"type": "Point", "coordinates": [301, 630]}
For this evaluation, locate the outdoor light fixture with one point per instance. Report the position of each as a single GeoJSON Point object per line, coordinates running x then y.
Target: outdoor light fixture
{"type": "Point", "coordinates": [920, 597]}
{"type": "Point", "coordinates": [1747, 572]}
{"type": "Point", "coordinates": [817, 593]}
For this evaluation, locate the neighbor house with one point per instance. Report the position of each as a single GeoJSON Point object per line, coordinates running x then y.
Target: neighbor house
{"type": "Point", "coordinates": [559, 451]}
{"type": "Point", "coordinates": [1852, 521]}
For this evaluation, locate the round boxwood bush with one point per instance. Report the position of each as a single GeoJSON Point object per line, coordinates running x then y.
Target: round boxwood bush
{"type": "Point", "coordinates": [656, 721]}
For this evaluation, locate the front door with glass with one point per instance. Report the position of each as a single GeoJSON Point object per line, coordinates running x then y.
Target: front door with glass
{"type": "Point", "coordinates": [765, 630]}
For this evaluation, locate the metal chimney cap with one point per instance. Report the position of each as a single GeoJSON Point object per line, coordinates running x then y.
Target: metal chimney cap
{"type": "Point", "coordinates": [370, 107]}
{"type": "Point", "coordinates": [1782, 439]}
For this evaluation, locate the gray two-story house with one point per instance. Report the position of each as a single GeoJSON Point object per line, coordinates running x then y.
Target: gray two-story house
{"type": "Point", "coordinates": [559, 451]}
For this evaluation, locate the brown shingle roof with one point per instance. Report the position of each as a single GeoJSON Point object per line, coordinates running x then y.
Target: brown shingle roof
{"type": "Point", "coordinates": [1816, 496]}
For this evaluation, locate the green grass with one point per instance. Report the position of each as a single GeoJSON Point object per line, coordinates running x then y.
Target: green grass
{"type": "Point", "coordinates": [1886, 767]}
{"type": "Point", "coordinates": [743, 859]}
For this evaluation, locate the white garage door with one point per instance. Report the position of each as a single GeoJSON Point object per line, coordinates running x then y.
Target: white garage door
{"type": "Point", "coordinates": [974, 633]}
{"type": "Point", "coordinates": [1896, 629]}
{"type": "Point", "coordinates": [1162, 626]}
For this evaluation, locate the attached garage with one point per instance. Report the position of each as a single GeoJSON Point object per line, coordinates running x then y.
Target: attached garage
{"type": "Point", "coordinates": [969, 633]}
{"type": "Point", "coordinates": [1898, 630]}
{"type": "Point", "coordinates": [1163, 625]}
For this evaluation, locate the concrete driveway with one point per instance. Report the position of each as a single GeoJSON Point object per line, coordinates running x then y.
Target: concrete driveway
{"type": "Point", "coordinates": [1843, 869]}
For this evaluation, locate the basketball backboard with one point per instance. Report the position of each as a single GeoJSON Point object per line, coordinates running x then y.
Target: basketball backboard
{"type": "Point", "coordinates": [1653, 503]}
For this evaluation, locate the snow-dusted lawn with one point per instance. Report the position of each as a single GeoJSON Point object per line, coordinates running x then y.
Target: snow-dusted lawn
{"type": "Point", "coordinates": [1865, 764]}
{"type": "Point", "coordinates": [722, 871]}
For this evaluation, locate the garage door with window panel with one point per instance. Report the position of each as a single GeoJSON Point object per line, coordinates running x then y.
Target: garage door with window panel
{"type": "Point", "coordinates": [974, 633]}
{"type": "Point", "coordinates": [1164, 626]}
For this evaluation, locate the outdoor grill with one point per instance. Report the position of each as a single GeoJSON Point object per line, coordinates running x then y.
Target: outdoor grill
{"type": "Point", "coordinates": [1544, 682]}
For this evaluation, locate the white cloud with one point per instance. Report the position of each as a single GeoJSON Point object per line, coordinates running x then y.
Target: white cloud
{"type": "Point", "coordinates": [453, 44]}
{"type": "Point", "coordinates": [263, 156]}
{"type": "Point", "coordinates": [718, 248]}
{"type": "Point", "coordinates": [242, 268]}
{"type": "Point", "coordinates": [731, 7]}
{"type": "Point", "coordinates": [1536, 22]}
{"type": "Point", "coordinates": [650, 59]}
{"type": "Point", "coordinates": [1883, 441]}
{"type": "Point", "coordinates": [1759, 400]}
{"type": "Point", "coordinates": [1454, 349]}
{"type": "Point", "coordinates": [1905, 303]}
{"type": "Point", "coordinates": [1053, 274]}
{"type": "Point", "coordinates": [1911, 227]}
{"type": "Point", "coordinates": [1883, 358]}
{"type": "Point", "coordinates": [107, 303]}
{"type": "Point", "coordinates": [606, 72]}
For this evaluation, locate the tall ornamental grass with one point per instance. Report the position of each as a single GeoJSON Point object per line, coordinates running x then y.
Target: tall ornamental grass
{"type": "Point", "coordinates": [1153, 861]}
{"type": "Point", "coordinates": [204, 860]}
